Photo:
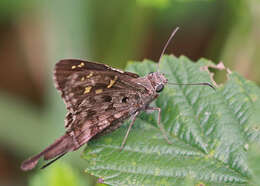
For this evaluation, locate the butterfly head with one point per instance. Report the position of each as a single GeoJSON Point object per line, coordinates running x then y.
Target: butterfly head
{"type": "Point", "coordinates": [157, 80]}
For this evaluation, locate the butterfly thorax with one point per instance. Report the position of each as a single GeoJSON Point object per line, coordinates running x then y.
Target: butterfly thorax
{"type": "Point", "coordinates": [154, 84]}
{"type": "Point", "coordinates": [157, 80]}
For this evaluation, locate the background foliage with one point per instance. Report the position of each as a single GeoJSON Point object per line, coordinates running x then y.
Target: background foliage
{"type": "Point", "coordinates": [36, 34]}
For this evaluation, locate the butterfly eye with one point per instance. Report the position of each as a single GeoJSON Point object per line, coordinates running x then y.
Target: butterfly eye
{"type": "Point", "coordinates": [159, 88]}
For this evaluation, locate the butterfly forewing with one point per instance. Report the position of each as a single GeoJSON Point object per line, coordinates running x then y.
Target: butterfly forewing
{"type": "Point", "coordinates": [97, 96]}
{"type": "Point", "coordinates": [67, 67]}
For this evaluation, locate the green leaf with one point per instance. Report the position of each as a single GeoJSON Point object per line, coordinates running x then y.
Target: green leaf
{"type": "Point", "coordinates": [210, 132]}
{"type": "Point", "coordinates": [254, 162]}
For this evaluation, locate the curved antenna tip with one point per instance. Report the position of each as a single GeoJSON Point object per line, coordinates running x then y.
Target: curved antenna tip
{"type": "Point", "coordinates": [210, 85]}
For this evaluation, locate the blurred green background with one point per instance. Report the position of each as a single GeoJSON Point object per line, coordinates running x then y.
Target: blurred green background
{"type": "Point", "coordinates": [34, 35]}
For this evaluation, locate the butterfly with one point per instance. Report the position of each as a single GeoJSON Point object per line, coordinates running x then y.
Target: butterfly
{"type": "Point", "coordinates": [99, 99]}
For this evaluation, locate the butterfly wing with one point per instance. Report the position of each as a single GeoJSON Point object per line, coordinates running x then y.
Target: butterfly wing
{"type": "Point", "coordinates": [65, 68]}
{"type": "Point", "coordinates": [97, 96]}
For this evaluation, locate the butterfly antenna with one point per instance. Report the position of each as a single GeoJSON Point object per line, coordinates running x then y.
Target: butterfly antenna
{"type": "Point", "coordinates": [203, 84]}
{"type": "Point", "coordinates": [167, 43]}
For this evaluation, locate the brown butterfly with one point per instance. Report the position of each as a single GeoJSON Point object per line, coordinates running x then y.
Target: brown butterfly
{"type": "Point", "coordinates": [99, 98]}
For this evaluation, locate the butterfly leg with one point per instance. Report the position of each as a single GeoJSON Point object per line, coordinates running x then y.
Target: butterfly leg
{"type": "Point", "coordinates": [159, 122]}
{"type": "Point", "coordinates": [128, 130]}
